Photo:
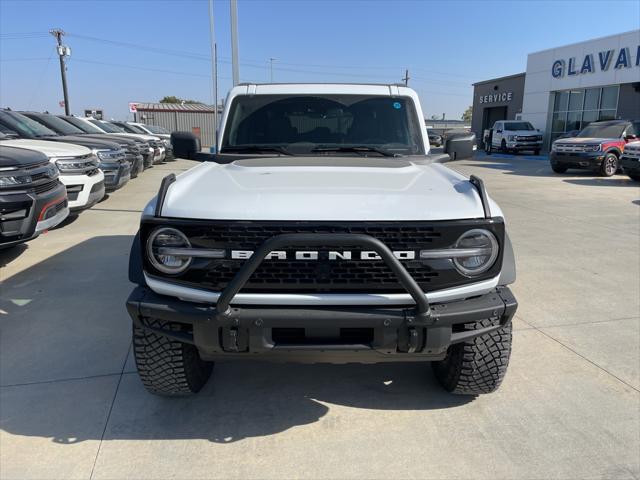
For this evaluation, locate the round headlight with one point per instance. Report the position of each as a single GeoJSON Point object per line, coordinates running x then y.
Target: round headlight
{"type": "Point", "coordinates": [486, 247]}
{"type": "Point", "coordinates": [159, 246]}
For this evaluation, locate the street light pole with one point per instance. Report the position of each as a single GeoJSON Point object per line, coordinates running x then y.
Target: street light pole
{"type": "Point", "coordinates": [62, 53]}
{"type": "Point", "coordinates": [271, 60]}
{"type": "Point", "coordinates": [214, 73]}
{"type": "Point", "coordinates": [234, 42]}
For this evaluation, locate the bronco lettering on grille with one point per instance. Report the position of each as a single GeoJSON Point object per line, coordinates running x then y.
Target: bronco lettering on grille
{"type": "Point", "coordinates": [316, 255]}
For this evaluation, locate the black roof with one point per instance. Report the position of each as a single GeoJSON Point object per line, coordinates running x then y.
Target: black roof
{"type": "Point", "coordinates": [20, 157]}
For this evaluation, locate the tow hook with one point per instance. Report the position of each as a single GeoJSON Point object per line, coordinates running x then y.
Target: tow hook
{"type": "Point", "coordinates": [233, 340]}
{"type": "Point", "coordinates": [414, 340]}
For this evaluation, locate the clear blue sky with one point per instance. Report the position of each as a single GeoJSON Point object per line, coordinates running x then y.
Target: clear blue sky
{"type": "Point", "coordinates": [446, 45]}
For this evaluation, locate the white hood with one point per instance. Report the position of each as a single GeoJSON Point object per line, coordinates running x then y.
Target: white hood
{"type": "Point", "coordinates": [139, 136]}
{"type": "Point", "coordinates": [323, 189]}
{"type": "Point", "coordinates": [50, 149]}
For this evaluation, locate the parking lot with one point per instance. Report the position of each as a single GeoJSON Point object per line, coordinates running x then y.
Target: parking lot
{"type": "Point", "coordinates": [72, 406]}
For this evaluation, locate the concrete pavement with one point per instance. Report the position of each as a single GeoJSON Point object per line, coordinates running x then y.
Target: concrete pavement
{"type": "Point", "coordinates": [71, 404]}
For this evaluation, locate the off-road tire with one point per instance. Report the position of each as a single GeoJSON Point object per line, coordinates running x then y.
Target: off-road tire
{"type": "Point", "coordinates": [609, 165]}
{"type": "Point", "coordinates": [558, 168]}
{"type": "Point", "coordinates": [167, 366]}
{"type": "Point", "coordinates": [503, 147]}
{"type": "Point", "coordinates": [477, 366]}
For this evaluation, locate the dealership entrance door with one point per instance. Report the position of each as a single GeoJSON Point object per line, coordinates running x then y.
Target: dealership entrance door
{"type": "Point", "coordinates": [493, 115]}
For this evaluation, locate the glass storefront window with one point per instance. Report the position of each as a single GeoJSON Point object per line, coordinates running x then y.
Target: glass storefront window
{"type": "Point", "coordinates": [561, 102]}
{"type": "Point", "coordinates": [559, 122]}
{"type": "Point", "coordinates": [576, 98]}
{"type": "Point", "coordinates": [609, 98]}
{"type": "Point", "coordinates": [589, 116]}
{"type": "Point", "coordinates": [577, 108]}
{"type": "Point", "coordinates": [592, 99]}
{"type": "Point", "coordinates": [574, 120]}
{"type": "Point", "coordinates": [607, 115]}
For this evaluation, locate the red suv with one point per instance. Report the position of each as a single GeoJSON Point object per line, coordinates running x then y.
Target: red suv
{"type": "Point", "coordinates": [598, 146]}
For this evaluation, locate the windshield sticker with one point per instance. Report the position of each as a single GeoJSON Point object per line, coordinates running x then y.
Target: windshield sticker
{"type": "Point", "coordinates": [397, 105]}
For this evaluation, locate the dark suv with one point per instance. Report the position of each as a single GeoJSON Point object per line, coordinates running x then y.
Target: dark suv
{"type": "Point", "coordinates": [598, 146]}
{"type": "Point", "coordinates": [32, 199]}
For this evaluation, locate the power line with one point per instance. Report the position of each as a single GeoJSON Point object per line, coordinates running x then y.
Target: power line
{"type": "Point", "coordinates": [256, 63]}
{"type": "Point", "coordinates": [136, 67]}
{"type": "Point", "coordinates": [32, 59]}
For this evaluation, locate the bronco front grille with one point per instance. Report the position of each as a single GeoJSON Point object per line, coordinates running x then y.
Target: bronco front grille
{"type": "Point", "coordinates": [324, 275]}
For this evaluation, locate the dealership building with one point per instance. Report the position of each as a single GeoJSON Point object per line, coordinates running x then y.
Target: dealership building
{"type": "Point", "coordinates": [566, 88]}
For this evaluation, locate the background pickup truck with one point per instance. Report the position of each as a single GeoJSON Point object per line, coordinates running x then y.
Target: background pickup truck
{"type": "Point", "coordinates": [512, 136]}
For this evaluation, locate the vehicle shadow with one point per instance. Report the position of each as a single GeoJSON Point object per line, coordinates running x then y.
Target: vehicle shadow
{"type": "Point", "coordinates": [616, 181]}
{"type": "Point", "coordinates": [81, 332]}
{"type": "Point", "coordinates": [8, 255]}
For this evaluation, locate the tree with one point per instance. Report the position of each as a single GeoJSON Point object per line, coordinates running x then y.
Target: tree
{"type": "Point", "coordinates": [466, 116]}
{"type": "Point", "coordinates": [174, 99]}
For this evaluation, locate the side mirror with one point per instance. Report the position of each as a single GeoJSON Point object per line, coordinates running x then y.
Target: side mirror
{"type": "Point", "coordinates": [629, 138]}
{"type": "Point", "coordinates": [185, 145]}
{"type": "Point", "coordinates": [498, 131]}
{"type": "Point", "coordinates": [460, 146]}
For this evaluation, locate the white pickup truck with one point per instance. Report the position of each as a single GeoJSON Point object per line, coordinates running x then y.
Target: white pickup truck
{"type": "Point", "coordinates": [513, 136]}
{"type": "Point", "coordinates": [322, 231]}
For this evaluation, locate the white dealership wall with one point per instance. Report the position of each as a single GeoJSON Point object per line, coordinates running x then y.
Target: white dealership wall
{"type": "Point", "coordinates": [539, 81]}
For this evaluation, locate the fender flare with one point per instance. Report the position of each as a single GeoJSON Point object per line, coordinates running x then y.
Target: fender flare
{"type": "Point", "coordinates": [508, 271]}
{"type": "Point", "coordinates": [136, 274]}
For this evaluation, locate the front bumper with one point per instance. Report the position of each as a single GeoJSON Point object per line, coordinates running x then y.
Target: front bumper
{"type": "Point", "coordinates": [116, 175]}
{"type": "Point", "coordinates": [136, 163]}
{"type": "Point", "coordinates": [84, 190]}
{"type": "Point", "coordinates": [577, 159]}
{"type": "Point", "coordinates": [331, 334]}
{"type": "Point", "coordinates": [524, 145]}
{"type": "Point", "coordinates": [630, 164]}
{"type": "Point", "coordinates": [24, 216]}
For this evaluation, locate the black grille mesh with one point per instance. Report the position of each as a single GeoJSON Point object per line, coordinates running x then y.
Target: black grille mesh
{"type": "Point", "coordinates": [324, 275]}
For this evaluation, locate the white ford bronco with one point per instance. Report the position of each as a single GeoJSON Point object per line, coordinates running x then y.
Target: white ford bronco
{"type": "Point", "coordinates": [323, 230]}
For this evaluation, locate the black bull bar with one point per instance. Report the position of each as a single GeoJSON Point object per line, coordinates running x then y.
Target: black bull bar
{"type": "Point", "coordinates": [422, 329]}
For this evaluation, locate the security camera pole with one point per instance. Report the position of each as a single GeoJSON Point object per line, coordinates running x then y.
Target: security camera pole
{"type": "Point", "coordinates": [63, 52]}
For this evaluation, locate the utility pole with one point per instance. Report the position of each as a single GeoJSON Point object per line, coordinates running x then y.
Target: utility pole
{"type": "Point", "coordinates": [271, 67]}
{"type": "Point", "coordinates": [234, 42]}
{"type": "Point", "coordinates": [406, 78]}
{"type": "Point", "coordinates": [63, 51]}
{"type": "Point", "coordinates": [214, 73]}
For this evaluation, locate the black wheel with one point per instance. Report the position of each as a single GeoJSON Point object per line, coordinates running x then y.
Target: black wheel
{"type": "Point", "coordinates": [558, 168]}
{"type": "Point", "coordinates": [609, 165]}
{"type": "Point", "coordinates": [634, 176]}
{"type": "Point", "coordinates": [536, 152]}
{"type": "Point", "coordinates": [167, 366]}
{"type": "Point", "coordinates": [477, 366]}
{"type": "Point", "coordinates": [503, 147]}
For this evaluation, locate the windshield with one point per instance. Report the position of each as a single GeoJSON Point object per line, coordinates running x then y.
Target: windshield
{"type": "Point", "coordinates": [603, 131]}
{"type": "Point", "coordinates": [24, 126]}
{"type": "Point", "coordinates": [518, 126]}
{"type": "Point", "coordinates": [323, 121]}
{"type": "Point", "coordinates": [56, 124]}
{"type": "Point", "coordinates": [133, 128]}
{"type": "Point", "coordinates": [82, 125]}
{"type": "Point", "coordinates": [126, 128]}
{"type": "Point", "coordinates": [107, 127]}
{"type": "Point", "coordinates": [157, 129]}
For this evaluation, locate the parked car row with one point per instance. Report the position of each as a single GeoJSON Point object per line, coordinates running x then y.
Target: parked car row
{"type": "Point", "coordinates": [607, 147]}
{"type": "Point", "coordinates": [53, 165]}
